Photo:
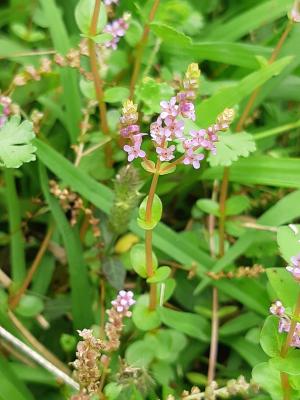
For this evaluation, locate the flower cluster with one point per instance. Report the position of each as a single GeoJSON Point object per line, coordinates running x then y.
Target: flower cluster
{"type": "Point", "coordinates": [119, 310]}
{"type": "Point", "coordinates": [294, 269]}
{"type": "Point", "coordinates": [117, 29]}
{"type": "Point", "coordinates": [90, 361]}
{"type": "Point", "coordinates": [170, 126]}
{"type": "Point", "coordinates": [284, 325]}
{"type": "Point", "coordinates": [5, 103]}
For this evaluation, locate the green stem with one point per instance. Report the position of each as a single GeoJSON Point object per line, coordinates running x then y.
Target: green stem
{"type": "Point", "coordinates": [148, 238]}
{"type": "Point", "coordinates": [141, 47]}
{"type": "Point", "coordinates": [17, 245]}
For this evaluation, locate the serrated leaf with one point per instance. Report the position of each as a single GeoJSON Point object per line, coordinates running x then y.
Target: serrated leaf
{"type": "Point", "coordinates": [116, 94]}
{"type": "Point", "coordinates": [230, 147]}
{"type": "Point", "coordinates": [84, 13]}
{"type": "Point", "coordinates": [151, 93]}
{"type": "Point", "coordinates": [15, 146]}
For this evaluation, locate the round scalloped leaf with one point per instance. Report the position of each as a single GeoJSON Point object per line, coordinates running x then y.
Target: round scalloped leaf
{"type": "Point", "coordinates": [230, 147]}
{"type": "Point", "coordinates": [15, 143]}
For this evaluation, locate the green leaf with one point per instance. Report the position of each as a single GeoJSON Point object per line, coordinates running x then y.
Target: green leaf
{"type": "Point", "coordinates": [208, 206]}
{"type": "Point", "coordinates": [290, 364]}
{"type": "Point", "coordinates": [270, 339]}
{"type": "Point", "coordinates": [139, 354]}
{"type": "Point", "coordinates": [138, 260]}
{"type": "Point", "coordinates": [102, 38]}
{"type": "Point", "coordinates": [11, 386]}
{"type": "Point", "coordinates": [261, 170]}
{"type": "Point", "coordinates": [116, 94]}
{"type": "Point", "coordinates": [230, 147]}
{"type": "Point", "coordinates": [84, 13]}
{"type": "Point", "coordinates": [240, 324]}
{"type": "Point", "coordinates": [134, 33]}
{"type": "Point", "coordinates": [236, 205]}
{"type": "Point", "coordinates": [15, 143]}
{"type": "Point", "coordinates": [253, 18]}
{"type": "Point", "coordinates": [191, 324]}
{"type": "Point", "coordinates": [166, 168]}
{"type": "Point", "coordinates": [156, 213]}
{"type": "Point", "coordinates": [112, 390]}
{"type": "Point", "coordinates": [240, 54]}
{"type": "Point", "coordinates": [286, 288]}
{"type": "Point", "coordinates": [160, 275]}
{"type": "Point", "coordinates": [29, 306]}
{"type": "Point", "coordinates": [208, 110]}
{"type": "Point", "coordinates": [144, 318]}
{"type": "Point", "coordinates": [289, 241]}
{"type": "Point", "coordinates": [268, 378]}
{"type": "Point", "coordinates": [151, 93]}
{"type": "Point", "coordinates": [148, 166]}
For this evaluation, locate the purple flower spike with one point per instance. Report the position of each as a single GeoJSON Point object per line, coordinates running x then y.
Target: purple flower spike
{"type": "Point", "coordinates": [187, 110]}
{"type": "Point", "coordinates": [284, 325]}
{"type": "Point", "coordinates": [117, 29]}
{"type": "Point", "coordinates": [193, 158]}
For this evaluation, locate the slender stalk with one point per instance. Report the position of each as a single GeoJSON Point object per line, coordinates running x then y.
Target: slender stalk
{"type": "Point", "coordinates": [38, 358]}
{"type": "Point", "coordinates": [148, 238]}
{"type": "Point", "coordinates": [276, 131]}
{"type": "Point", "coordinates": [141, 47]}
{"type": "Point", "coordinates": [98, 81]}
{"type": "Point", "coordinates": [284, 350]}
{"type": "Point", "coordinates": [32, 270]}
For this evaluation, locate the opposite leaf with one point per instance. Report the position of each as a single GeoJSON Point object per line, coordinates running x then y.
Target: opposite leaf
{"type": "Point", "coordinates": [230, 147]}
{"type": "Point", "coordinates": [84, 14]}
{"type": "Point", "coordinates": [15, 146]}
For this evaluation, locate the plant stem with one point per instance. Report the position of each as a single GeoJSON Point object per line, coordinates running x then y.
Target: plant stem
{"type": "Point", "coordinates": [98, 81]}
{"type": "Point", "coordinates": [213, 353]}
{"type": "Point", "coordinates": [140, 48]}
{"type": "Point", "coordinates": [285, 348]}
{"type": "Point", "coordinates": [148, 237]}
{"type": "Point", "coordinates": [36, 262]}
{"type": "Point", "coordinates": [276, 131]}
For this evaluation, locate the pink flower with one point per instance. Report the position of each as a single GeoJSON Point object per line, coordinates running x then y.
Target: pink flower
{"type": "Point", "coordinates": [193, 158]}
{"type": "Point", "coordinates": [187, 110]}
{"type": "Point", "coordinates": [284, 325]}
{"type": "Point", "coordinates": [198, 137]}
{"type": "Point", "coordinates": [176, 127]}
{"type": "Point", "coordinates": [166, 154]}
{"type": "Point", "coordinates": [123, 302]}
{"type": "Point", "coordinates": [109, 2]}
{"type": "Point", "coordinates": [277, 308]}
{"type": "Point", "coordinates": [117, 29]}
{"type": "Point", "coordinates": [134, 151]}
{"type": "Point", "coordinates": [159, 133]}
{"type": "Point", "coordinates": [169, 109]}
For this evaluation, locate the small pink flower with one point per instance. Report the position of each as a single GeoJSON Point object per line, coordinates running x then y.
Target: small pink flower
{"type": "Point", "coordinates": [284, 325]}
{"type": "Point", "coordinates": [159, 133]}
{"type": "Point", "coordinates": [277, 308]}
{"type": "Point", "coordinates": [187, 110]}
{"type": "Point", "coordinates": [134, 151]}
{"type": "Point", "coordinates": [294, 269]}
{"type": "Point", "coordinates": [117, 29]}
{"type": "Point", "coordinates": [192, 158]}
{"type": "Point", "coordinates": [176, 127]}
{"type": "Point", "coordinates": [169, 109]}
{"type": "Point", "coordinates": [166, 154]}
{"type": "Point", "coordinates": [123, 302]}
{"type": "Point", "coordinates": [198, 137]}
